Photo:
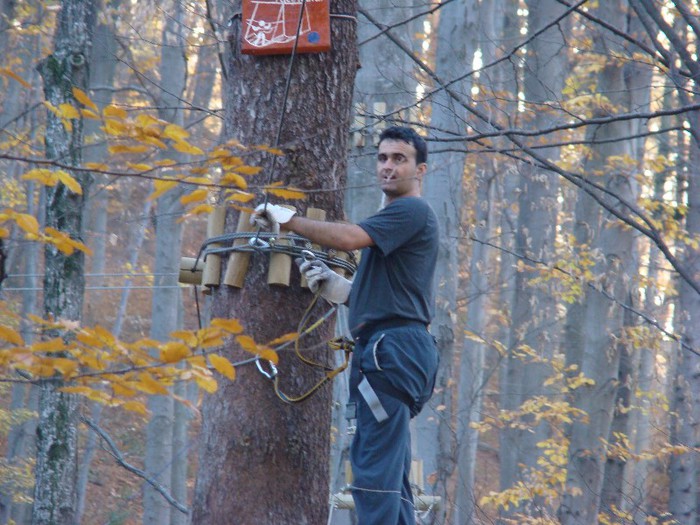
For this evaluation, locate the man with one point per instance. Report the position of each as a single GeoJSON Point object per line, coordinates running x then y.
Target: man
{"type": "Point", "coordinates": [391, 304]}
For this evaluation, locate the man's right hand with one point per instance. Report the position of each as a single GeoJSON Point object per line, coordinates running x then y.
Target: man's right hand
{"type": "Point", "coordinates": [269, 216]}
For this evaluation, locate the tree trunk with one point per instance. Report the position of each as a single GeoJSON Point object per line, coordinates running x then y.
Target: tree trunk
{"type": "Point", "coordinates": [683, 501]}
{"type": "Point", "coordinates": [384, 88]}
{"type": "Point", "coordinates": [262, 461]}
{"type": "Point", "coordinates": [534, 318]}
{"type": "Point", "coordinates": [592, 326]}
{"type": "Point", "coordinates": [167, 299]}
{"type": "Point", "coordinates": [56, 466]}
{"type": "Point", "coordinates": [442, 188]}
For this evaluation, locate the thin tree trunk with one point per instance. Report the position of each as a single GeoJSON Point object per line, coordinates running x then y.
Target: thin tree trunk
{"type": "Point", "coordinates": [591, 327]}
{"type": "Point", "coordinates": [456, 45]}
{"type": "Point", "coordinates": [166, 295]}
{"type": "Point", "coordinates": [55, 494]}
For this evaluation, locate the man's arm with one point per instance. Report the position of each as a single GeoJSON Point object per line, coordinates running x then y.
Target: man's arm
{"type": "Point", "coordinates": [337, 235]}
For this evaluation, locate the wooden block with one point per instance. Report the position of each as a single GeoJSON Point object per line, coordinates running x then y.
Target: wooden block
{"type": "Point", "coordinates": [319, 215]}
{"type": "Point", "coordinates": [189, 274]}
{"type": "Point", "coordinates": [211, 276]}
{"type": "Point", "coordinates": [238, 262]}
{"type": "Point", "coordinates": [279, 271]}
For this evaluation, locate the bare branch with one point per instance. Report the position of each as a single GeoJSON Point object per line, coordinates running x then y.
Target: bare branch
{"type": "Point", "coordinates": [119, 457]}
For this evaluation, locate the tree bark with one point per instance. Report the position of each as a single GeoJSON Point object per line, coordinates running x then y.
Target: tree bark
{"type": "Point", "coordinates": [592, 325]}
{"type": "Point", "coordinates": [457, 36]}
{"type": "Point", "coordinates": [64, 285]}
{"type": "Point", "coordinates": [262, 461]}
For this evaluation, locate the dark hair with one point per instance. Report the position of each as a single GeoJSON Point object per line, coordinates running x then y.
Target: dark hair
{"type": "Point", "coordinates": [409, 136]}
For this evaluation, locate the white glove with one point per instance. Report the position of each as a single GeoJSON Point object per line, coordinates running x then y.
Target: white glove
{"type": "Point", "coordinates": [270, 216]}
{"type": "Point", "coordinates": [333, 287]}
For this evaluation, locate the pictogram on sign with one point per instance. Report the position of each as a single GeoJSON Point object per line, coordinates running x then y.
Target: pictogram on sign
{"type": "Point", "coordinates": [270, 26]}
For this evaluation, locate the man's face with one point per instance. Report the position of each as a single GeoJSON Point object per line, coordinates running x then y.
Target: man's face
{"type": "Point", "coordinates": [397, 171]}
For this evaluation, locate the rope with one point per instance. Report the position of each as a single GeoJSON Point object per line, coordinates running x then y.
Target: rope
{"type": "Point", "coordinates": [265, 242]}
{"type": "Point", "coordinates": [329, 372]}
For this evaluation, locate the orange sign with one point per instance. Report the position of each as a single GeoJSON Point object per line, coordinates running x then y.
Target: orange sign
{"type": "Point", "coordinates": [270, 26]}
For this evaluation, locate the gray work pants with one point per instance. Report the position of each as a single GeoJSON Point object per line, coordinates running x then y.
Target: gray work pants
{"type": "Point", "coordinates": [400, 365]}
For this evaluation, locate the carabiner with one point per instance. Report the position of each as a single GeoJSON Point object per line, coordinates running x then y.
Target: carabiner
{"type": "Point", "coordinates": [273, 368]}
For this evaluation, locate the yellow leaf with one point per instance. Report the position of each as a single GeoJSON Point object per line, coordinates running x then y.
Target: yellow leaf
{"type": "Point", "coordinates": [82, 97]}
{"type": "Point", "coordinates": [149, 385]}
{"type": "Point", "coordinates": [97, 166]}
{"type": "Point", "coordinates": [240, 196]}
{"type": "Point", "coordinates": [188, 337]}
{"type": "Point", "coordinates": [175, 132]}
{"type": "Point", "coordinates": [68, 111]}
{"type": "Point", "coordinates": [186, 147]}
{"type": "Point", "coordinates": [289, 193]}
{"type": "Point", "coordinates": [235, 179]}
{"type": "Point", "coordinates": [173, 352]}
{"type": "Point", "coordinates": [198, 180]}
{"type": "Point", "coordinates": [247, 343]}
{"type": "Point", "coordinates": [202, 209]}
{"type": "Point", "coordinates": [228, 325]}
{"type": "Point", "coordinates": [12, 74]}
{"type": "Point", "coordinates": [120, 389]}
{"type": "Point", "coordinates": [4, 233]}
{"type": "Point", "coordinates": [195, 196]}
{"type": "Point", "coordinates": [28, 223]}
{"type": "Point", "coordinates": [274, 151]}
{"type": "Point", "coordinates": [136, 406]}
{"type": "Point", "coordinates": [139, 167]}
{"type": "Point", "coordinates": [53, 109]}
{"type": "Point", "coordinates": [115, 127]}
{"type": "Point", "coordinates": [205, 382]}
{"type": "Point", "coordinates": [52, 345]}
{"type": "Point", "coordinates": [90, 393]}
{"type": "Point", "coordinates": [155, 142]}
{"type": "Point", "coordinates": [248, 170]}
{"type": "Point", "coordinates": [11, 336]}
{"type": "Point", "coordinates": [41, 175]}
{"type": "Point", "coordinates": [70, 182]}
{"type": "Point", "coordinates": [269, 354]}
{"type": "Point", "coordinates": [161, 186]}
{"type": "Point", "coordinates": [165, 162]}
{"type": "Point", "coordinates": [223, 366]}
{"type": "Point", "coordinates": [209, 337]}
{"type": "Point", "coordinates": [115, 112]}
{"type": "Point", "coordinates": [67, 367]}
{"type": "Point", "coordinates": [122, 148]}
{"type": "Point", "coordinates": [145, 120]}
{"type": "Point", "coordinates": [198, 361]}
{"type": "Point", "coordinates": [63, 242]}
{"type": "Point", "coordinates": [86, 113]}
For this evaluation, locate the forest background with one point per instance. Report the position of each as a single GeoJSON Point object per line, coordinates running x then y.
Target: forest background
{"type": "Point", "coordinates": [564, 169]}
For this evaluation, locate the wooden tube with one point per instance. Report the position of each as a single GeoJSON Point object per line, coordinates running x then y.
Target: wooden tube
{"type": "Point", "coordinates": [319, 215]}
{"type": "Point", "coordinates": [238, 262]}
{"type": "Point", "coordinates": [280, 268]}
{"type": "Point", "coordinates": [211, 276]}
{"type": "Point", "coordinates": [188, 273]}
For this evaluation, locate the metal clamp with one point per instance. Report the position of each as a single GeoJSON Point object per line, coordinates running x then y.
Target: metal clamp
{"type": "Point", "coordinates": [273, 369]}
{"type": "Point", "coordinates": [258, 244]}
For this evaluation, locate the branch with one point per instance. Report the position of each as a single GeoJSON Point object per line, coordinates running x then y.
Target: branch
{"type": "Point", "coordinates": [119, 457]}
{"type": "Point", "coordinates": [595, 191]}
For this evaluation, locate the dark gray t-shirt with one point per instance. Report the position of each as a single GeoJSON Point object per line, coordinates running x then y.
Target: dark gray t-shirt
{"type": "Point", "coordinates": [395, 277]}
